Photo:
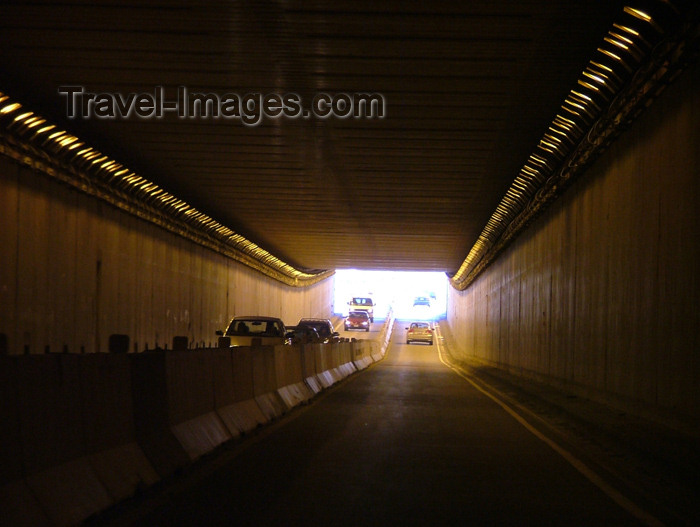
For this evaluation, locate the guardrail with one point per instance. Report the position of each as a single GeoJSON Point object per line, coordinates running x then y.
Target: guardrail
{"type": "Point", "coordinates": [84, 432]}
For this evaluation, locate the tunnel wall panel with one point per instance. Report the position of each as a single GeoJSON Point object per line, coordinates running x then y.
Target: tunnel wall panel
{"type": "Point", "coordinates": [9, 201]}
{"type": "Point", "coordinates": [601, 294]}
{"type": "Point", "coordinates": [75, 270]}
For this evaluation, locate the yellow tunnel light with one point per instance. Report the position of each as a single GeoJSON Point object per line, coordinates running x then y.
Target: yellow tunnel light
{"type": "Point", "coordinates": [622, 44]}
{"type": "Point", "coordinates": [530, 171]}
{"type": "Point", "coordinates": [58, 142]}
{"type": "Point", "coordinates": [621, 38]}
{"type": "Point", "coordinates": [610, 54]}
{"type": "Point", "coordinates": [585, 99]}
{"type": "Point", "coordinates": [626, 29]}
{"type": "Point", "coordinates": [582, 95]}
{"type": "Point", "coordinates": [567, 124]}
{"type": "Point", "coordinates": [617, 43]}
{"type": "Point", "coordinates": [30, 121]}
{"type": "Point", "coordinates": [575, 104]}
{"type": "Point", "coordinates": [594, 77]}
{"type": "Point", "coordinates": [588, 85]}
{"type": "Point", "coordinates": [57, 134]}
{"type": "Point", "coordinates": [36, 122]}
{"type": "Point", "coordinates": [602, 67]}
{"type": "Point", "coordinates": [570, 111]}
{"type": "Point", "coordinates": [10, 107]}
{"type": "Point", "coordinates": [562, 133]}
{"type": "Point", "coordinates": [133, 179]}
{"type": "Point", "coordinates": [616, 58]}
{"type": "Point", "coordinates": [549, 144]}
{"type": "Point", "coordinates": [603, 71]}
{"type": "Point", "coordinates": [522, 187]}
{"type": "Point", "coordinates": [67, 140]}
{"type": "Point", "coordinates": [546, 149]}
{"type": "Point", "coordinates": [539, 159]}
{"type": "Point", "coordinates": [631, 31]}
{"type": "Point", "coordinates": [23, 116]}
{"type": "Point", "coordinates": [641, 15]}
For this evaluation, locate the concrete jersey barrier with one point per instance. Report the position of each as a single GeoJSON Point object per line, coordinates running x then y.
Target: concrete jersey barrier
{"type": "Point", "coordinates": [87, 431]}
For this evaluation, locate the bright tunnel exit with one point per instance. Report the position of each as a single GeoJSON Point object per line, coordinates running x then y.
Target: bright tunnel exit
{"type": "Point", "coordinates": [411, 294]}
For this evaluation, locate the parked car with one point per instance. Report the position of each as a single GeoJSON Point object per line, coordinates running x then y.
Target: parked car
{"type": "Point", "coordinates": [360, 303]}
{"type": "Point", "coordinates": [419, 332]}
{"type": "Point", "coordinates": [255, 331]}
{"type": "Point", "coordinates": [357, 320]}
{"type": "Point", "coordinates": [302, 335]}
{"type": "Point", "coordinates": [323, 326]}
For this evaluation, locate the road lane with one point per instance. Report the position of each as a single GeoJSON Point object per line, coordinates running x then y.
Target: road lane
{"type": "Point", "coordinates": [406, 442]}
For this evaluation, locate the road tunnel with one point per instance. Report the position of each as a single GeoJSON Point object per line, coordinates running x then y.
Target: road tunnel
{"type": "Point", "coordinates": [544, 158]}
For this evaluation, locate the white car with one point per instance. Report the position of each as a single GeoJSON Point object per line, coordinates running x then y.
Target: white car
{"type": "Point", "coordinates": [255, 331]}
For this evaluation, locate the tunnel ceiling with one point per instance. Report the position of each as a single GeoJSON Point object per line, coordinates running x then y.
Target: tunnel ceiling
{"type": "Point", "coordinates": [469, 88]}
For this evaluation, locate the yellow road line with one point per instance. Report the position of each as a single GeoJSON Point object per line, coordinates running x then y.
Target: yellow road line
{"type": "Point", "coordinates": [631, 507]}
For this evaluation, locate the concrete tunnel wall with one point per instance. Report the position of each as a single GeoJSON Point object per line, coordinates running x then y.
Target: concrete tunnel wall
{"type": "Point", "coordinates": [75, 270]}
{"type": "Point", "coordinates": [601, 293]}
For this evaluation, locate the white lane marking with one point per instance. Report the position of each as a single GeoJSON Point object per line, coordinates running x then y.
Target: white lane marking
{"type": "Point", "coordinates": [631, 507]}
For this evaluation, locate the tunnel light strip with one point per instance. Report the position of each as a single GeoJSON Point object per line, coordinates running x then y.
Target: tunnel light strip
{"type": "Point", "coordinates": [109, 175]}
{"type": "Point", "coordinates": [568, 138]}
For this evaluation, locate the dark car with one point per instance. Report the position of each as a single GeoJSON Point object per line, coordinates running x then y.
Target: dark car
{"type": "Point", "coordinates": [323, 326]}
{"type": "Point", "coordinates": [302, 335]}
{"type": "Point", "coordinates": [357, 320]}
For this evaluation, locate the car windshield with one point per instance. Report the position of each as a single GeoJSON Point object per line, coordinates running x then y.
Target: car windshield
{"type": "Point", "coordinates": [419, 325]}
{"type": "Point", "coordinates": [359, 314]}
{"type": "Point", "coordinates": [321, 327]}
{"type": "Point", "coordinates": [362, 301]}
{"type": "Point", "coordinates": [255, 328]}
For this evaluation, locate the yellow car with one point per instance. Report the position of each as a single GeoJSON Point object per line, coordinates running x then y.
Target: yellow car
{"type": "Point", "coordinates": [419, 332]}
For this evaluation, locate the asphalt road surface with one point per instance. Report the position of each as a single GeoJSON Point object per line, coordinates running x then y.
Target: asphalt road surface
{"type": "Point", "coordinates": [405, 442]}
